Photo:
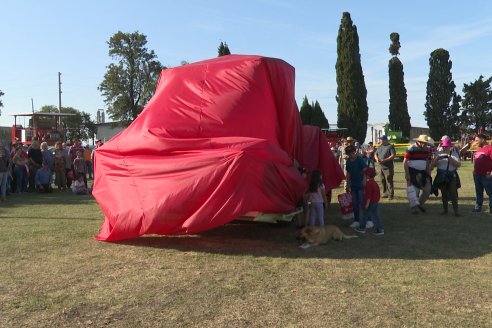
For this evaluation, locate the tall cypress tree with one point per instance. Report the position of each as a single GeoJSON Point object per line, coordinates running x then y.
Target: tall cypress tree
{"type": "Point", "coordinates": [398, 117]}
{"type": "Point", "coordinates": [442, 102]}
{"type": "Point", "coordinates": [351, 88]}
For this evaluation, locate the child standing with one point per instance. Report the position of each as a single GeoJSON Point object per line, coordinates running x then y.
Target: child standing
{"type": "Point", "coordinates": [79, 167]}
{"type": "Point", "coordinates": [316, 199]}
{"type": "Point", "coordinates": [371, 205]}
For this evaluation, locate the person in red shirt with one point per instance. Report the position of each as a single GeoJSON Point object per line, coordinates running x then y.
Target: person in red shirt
{"type": "Point", "coordinates": [482, 168]}
{"type": "Point", "coordinates": [371, 206]}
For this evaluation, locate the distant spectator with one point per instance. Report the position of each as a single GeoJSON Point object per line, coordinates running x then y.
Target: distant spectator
{"type": "Point", "coordinates": [384, 156]}
{"type": "Point", "coordinates": [79, 167]}
{"type": "Point", "coordinates": [78, 186]}
{"type": "Point", "coordinates": [43, 179]}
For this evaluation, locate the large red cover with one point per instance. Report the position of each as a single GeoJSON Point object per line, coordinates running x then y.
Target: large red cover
{"type": "Point", "coordinates": [216, 141]}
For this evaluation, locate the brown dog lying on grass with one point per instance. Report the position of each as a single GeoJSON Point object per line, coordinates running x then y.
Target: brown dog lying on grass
{"type": "Point", "coordinates": [313, 236]}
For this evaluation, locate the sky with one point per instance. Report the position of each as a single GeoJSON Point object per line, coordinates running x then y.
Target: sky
{"type": "Point", "coordinates": [39, 39]}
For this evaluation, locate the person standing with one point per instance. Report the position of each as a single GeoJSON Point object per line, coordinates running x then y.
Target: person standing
{"type": "Point", "coordinates": [355, 183]}
{"type": "Point", "coordinates": [35, 159]}
{"type": "Point", "coordinates": [369, 153]}
{"type": "Point", "coordinates": [371, 205]}
{"type": "Point", "coordinates": [416, 163]}
{"type": "Point", "coordinates": [482, 168]}
{"type": "Point", "coordinates": [385, 156]}
{"type": "Point", "coordinates": [4, 171]}
{"type": "Point", "coordinates": [447, 161]}
{"type": "Point", "coordinates": [316, 199]}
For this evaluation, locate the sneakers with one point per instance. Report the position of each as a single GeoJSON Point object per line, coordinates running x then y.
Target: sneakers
{"type": "Point", "coordinates": [477, 209]}
{"type": "Point", "coordinates": [360, 230]}
{"type": "Point", "coordinates": [379, 232]}
{"type": "Point", "coordinates": [421, 208]}
{"type": "Point", "coordinates": [414, 210]}
{"type": "Point", "coordinates": [355, 224]}
{"type": "Point", "coordinates": [369, 224]}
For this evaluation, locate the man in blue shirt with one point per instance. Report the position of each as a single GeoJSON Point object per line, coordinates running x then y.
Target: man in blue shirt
{"type": "Point", "coordinates": [355, 165]}
{"type": "Point", "coordinates": [43, 179]}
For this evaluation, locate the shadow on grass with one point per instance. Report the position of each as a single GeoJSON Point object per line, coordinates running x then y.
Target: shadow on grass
{"type": "Point", "coordinates": [54, 198]}
{"type": "Point", "coordinates": [407, 236]}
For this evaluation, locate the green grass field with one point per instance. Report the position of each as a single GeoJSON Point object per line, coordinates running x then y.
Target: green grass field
{"type": "Point", "coordinates": [427, 271]}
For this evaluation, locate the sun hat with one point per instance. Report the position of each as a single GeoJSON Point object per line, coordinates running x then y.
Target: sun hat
{"type": "Point", "coordinates": [446, 143]}
{"type": "Point", "coordinates": [423, 138]}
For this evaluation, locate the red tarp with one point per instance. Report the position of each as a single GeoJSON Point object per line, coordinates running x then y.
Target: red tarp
{"type": "Point", "coordinates": [216, 141]}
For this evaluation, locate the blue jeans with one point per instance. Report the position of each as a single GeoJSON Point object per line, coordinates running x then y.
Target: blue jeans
{"type": "Point", "coordinates": [372, 212]}
{"type": "Point", "coordinates": [317, 211]}
{"type": "Point", "coordinates": [20, 178]}
{"type": "Point", "coordinates": [483, 183]}
{"type": "Point", "coordinates": [357, 201]}
{"type": "Point", "coordinates": [3, 185]}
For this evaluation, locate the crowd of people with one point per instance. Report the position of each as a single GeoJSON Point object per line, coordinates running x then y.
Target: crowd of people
{"type": "Point", "coordinates": [37, 168]}
{"type": "Point", "coordinates": [362, 164]}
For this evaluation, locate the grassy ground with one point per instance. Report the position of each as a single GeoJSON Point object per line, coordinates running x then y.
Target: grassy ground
{"type": "Point", "coordinates": [427, 271]}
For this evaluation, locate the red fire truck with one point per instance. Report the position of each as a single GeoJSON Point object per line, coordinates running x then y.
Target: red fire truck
{"type": "Point", "coordinates": [44, 126]}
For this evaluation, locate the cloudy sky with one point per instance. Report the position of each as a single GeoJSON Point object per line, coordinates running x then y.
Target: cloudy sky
{"type": "Point", "coordinates": [41, 38]}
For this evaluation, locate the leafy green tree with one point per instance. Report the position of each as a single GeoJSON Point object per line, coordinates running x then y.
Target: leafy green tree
{"type": "Point", "coordinates": [1, 103]}
{"type": "Point", "coordinates": [223, 49]}
{"type": "Point", "coordinates": [79, 126]}
{"type": "Point", "coordinates": [398, 117]}
{"type": "Point", "coordinates": [441, 99]}
{"type": "Point", "coordinates": [477, 105]}
{"type": "Point", "coordinates": [351, 88]}
{"type": "Point", "coordinates": [130, 82]}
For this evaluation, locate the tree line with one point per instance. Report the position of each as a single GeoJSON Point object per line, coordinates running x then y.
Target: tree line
{"type": "Point", "coordinates": [131, 78]}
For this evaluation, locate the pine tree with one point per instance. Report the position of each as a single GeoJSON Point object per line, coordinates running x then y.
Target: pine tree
{"type": "Point", "coordinates": [441, 104]}
{"type": "Point", "coordinates": [223, 49]}
{"type": "Point", "coordinates": [318, 118]}
{"type": "Point", "coordinates": [306, 111]}
{"type": "Point", "coordinates": [351, 88]}
{"type": "Point", "coordinates": [398, 117]}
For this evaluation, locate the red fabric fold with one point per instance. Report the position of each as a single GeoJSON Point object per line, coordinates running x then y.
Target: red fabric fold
{"type": "Point", "coordinates": [217, 140]}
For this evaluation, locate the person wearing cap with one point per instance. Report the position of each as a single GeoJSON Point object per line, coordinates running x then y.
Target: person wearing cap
{"type": "Point", "coordinates": [385, 157]}
{"type": "Point", "coordinates": [372, 195]}
{"type": "Point", "coordinates": [355, 166]}
{"type": "Point", "coordinates": [416, 163]}
{"type": "Point", "coordinates": [447, 160]}
{"type": "Point", "coordinates": [482, 168]}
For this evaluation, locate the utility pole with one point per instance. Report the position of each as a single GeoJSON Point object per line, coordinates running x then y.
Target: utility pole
{"type": "Point", "coordinates": [59, 92]}
{"type": "Point", "coordinates": [59, 98]}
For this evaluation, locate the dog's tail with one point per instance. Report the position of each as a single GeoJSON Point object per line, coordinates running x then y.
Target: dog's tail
{"type": "Point", "coordinates": [350, 236]}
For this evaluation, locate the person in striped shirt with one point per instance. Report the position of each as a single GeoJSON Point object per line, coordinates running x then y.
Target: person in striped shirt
{"type": "Point", "coordinates": [416, 163]}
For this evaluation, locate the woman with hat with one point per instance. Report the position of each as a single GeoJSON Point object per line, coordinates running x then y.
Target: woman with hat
{"type": "Point", "coordinates": [416, 163]}
{"type": "Point", "coordinates": [447, 161]}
